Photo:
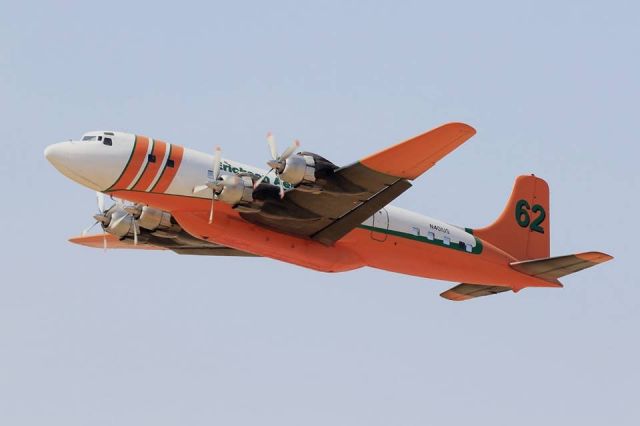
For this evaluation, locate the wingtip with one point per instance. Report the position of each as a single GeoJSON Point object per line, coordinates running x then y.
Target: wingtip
{"type": "Point", "coordinates": [453, 296]}
{"type": "Point", "coordinates": [595, 256]}
{"type": "Point", "coordinates": [462, 127]}
{"type": "Point", "coordinates": [412, 157]}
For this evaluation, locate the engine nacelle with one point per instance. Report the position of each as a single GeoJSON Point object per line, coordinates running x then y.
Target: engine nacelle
{"type": "Point", "coordinates": [307, 170]}
{"type": "Point", "coordinates": [236, 190]}
{"type": "Point", "coordinates": [121, 222]}
{"type": "Point", "coordinates": [153, 219]}
{"type": "Point", "coordinates": [299, 169]}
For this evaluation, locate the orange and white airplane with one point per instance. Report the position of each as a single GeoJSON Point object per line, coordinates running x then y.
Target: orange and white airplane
{"type": "Point", "coordinates": [312, 213]}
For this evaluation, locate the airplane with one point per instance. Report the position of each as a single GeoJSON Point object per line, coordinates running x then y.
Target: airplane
{"type": "Point", "coordinates": [307, 211]}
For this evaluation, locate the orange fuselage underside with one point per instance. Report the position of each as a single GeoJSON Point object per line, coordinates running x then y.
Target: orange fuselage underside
{"type": "Point", "coordinates": [359, 248]}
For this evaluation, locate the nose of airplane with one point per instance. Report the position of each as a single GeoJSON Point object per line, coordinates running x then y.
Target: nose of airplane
{"type": "Point", "coordinates": [91, 164]}
{"type": "Point", "coordinates": [55, 154]}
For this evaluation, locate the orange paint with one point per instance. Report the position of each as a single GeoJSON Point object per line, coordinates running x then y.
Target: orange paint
{"type": "Point", "coordinates": [97, 241]}
{"type": "Point", "coordinates": [594, 257]}
{"type": "Point", "coordinates": [456, 297]}
{"type": "Point", "coordinates": [355, 250]}
{"type": "Point", "coordinates": [169, 173]}
{"type": "Point", "coordinates": [522, 242]}
{"type": "Point", "coordinates": [152, 168]}
{"type": "Point", "coordinates": [413, 157]}
{"type": "Point", "coordinates": [132, 168]}
{"type": "Point", "coordinates": [498, 257]}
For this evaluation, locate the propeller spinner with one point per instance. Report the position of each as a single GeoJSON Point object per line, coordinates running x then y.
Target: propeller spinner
{"type": "Point", "coordinates": [277, 163]}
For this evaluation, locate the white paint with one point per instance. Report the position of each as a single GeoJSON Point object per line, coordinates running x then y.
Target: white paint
{"type": "Point", "coordinates": [193, 171]}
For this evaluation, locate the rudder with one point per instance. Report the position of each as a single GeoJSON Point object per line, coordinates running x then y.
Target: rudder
{"type": "Point", "coordinates": [523, 227]}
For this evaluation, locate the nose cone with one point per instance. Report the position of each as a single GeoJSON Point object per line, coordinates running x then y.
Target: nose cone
{"type": "Point", "coordinates": [55, 154]}
{"type": "Point", "coordinates": [65, 158]}
{"type": "Point", "coordinates": [88, 163]}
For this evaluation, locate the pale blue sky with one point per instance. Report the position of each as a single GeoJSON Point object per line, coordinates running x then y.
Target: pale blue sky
{"type": "Point", "coordinates": [156, 338]}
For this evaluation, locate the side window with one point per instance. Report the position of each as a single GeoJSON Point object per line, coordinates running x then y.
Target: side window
{"type": "Point", "coordinates": [151, 158]}
{"type": "Point", "coordinates": [107, 141]}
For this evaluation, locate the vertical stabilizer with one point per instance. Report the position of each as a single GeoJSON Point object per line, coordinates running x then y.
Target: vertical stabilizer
{"type": "Point", "coordinates": [524, 226]}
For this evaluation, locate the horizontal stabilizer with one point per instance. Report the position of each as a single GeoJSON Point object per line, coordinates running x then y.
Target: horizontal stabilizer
{"type": "Point", "coordinates": [469, 291]}
{"type": "Point", "coordinates": [552, 268]}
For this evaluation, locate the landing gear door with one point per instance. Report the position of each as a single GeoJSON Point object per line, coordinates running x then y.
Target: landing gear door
{"type": "Point", "coordinates": [380, 225]}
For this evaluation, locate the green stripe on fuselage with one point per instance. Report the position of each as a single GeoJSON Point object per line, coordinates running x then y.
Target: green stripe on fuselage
{"type": "Point", "coordinates": [453, 246]}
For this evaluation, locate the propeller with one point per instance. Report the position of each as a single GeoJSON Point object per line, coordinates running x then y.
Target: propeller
{"type": "Point", "coordinates": [277, 163]}
{"type": "Point", "coordinates": [215, 185]}
{"type": "Point", "coordinates": [100, 218]}
{"type": "Point", "coordinates": [133, 211]}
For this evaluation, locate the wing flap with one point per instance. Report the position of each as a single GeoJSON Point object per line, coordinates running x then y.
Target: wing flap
{"type": "Point", "coordinates": [355, 217]}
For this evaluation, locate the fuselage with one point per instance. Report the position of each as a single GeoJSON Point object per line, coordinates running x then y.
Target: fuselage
{"type": "Point", "coordinates": [163, 175]}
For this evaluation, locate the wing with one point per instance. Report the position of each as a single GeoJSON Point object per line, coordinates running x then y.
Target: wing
{"type": "Point", "coordinates": [353, 193]}
{"type": "Point", "coordinates": [98, 241]}
{"type": "Point", "coordinates": [183, 246]}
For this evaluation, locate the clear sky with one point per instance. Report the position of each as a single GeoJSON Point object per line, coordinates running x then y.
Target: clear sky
{"type": "Point", "coordinates": [88, 338]}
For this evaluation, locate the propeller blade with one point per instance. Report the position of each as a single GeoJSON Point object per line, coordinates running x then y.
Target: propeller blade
{"type": "Point", "coordinates": [216, 163]}
{"type": "Point", "coordinates": [213, 198]}
{"type": "Point", "coordinates": [259, 181]}
{"type": "Point", "coordinates": [104, 241]}
{"type": "Point", "coordinates": [119, 204]}
{"type": "Point", "coordinates": [272, 145]}
{"type": "Point", "coordinates": [200, 188]}
{"type": "Point", "coordinates": [117, 222]}
{"type": "Point", "coordinates": [89, 228]}
{"type": "Point", "coordinates": [287, 153]}
{"type": "Point", "coordinates": [100, 197]}
{"type": "Point", "coordinates": [135, 232]}
{"type": "Point", "coordinates": [281, 185]}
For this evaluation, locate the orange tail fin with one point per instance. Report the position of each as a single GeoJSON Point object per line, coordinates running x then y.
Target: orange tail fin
{"type": "Point", "coordinates": [523, 228]}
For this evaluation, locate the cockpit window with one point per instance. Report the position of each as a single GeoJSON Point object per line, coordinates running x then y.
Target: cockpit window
{"type": "Point", "coordinates": [89, 138]}
{"type": "Point", "coordinates": [107, 141]}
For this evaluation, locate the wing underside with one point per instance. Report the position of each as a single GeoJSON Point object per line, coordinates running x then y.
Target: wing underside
{"type": "Point", "coordinates": [351, 194]}
{"type": "Point", "coordinates": [469, 291]}
{"type": "Point", "coordinates": [180, 245]}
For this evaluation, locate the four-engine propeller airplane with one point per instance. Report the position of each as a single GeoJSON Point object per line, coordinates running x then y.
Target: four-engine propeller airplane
{"type": "Point", "coordinates": [309, 212]}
